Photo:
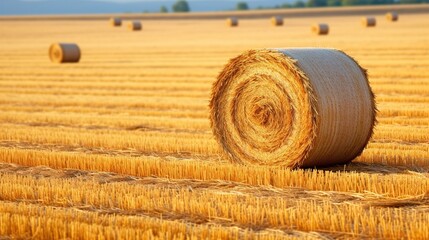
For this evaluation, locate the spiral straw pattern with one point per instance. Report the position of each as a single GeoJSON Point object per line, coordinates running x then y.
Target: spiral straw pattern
{"type": "Point", "coordinates": [64, 53]}
{"type": "Point", "coordinates": [368, 21]}
{"type": "Point", "coordinates": [135, 26]}
{"type": "Point", "coordinates": [277, 21]}
{"type": "Point", "coordinates": [115, 21]}
{"type": "Point", "coordinates": [292, 107]}
{"type": "Point", "coordinates": [232, 22]}
{"type": "Point", "coordinates": [392, 16]}
{"type": "Point", "coordinates": [320, 29]}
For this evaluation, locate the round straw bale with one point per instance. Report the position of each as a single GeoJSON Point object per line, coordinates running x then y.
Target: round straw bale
{"type": "Point", "coordinates": [292, 107]}
{"type": "Point", "coordinates": [64, 53]}
{"type": "Point", "coordinates": [115, 22]}
{"type": "Point", "coordinates": [368, 21]}
{"type": "Point", "coordinates": [232, 22]}
{"type": "Point", "coordinates": [392, 16]}
{"type": "Point", "coordinates": [277, 21]}
{"type": "Point", "coordinates": [320, 29]}
{"type": "Point", "coordinates": [135, 26]}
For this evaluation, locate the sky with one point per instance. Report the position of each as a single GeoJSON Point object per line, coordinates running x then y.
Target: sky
{"type": "Point", "coordinates": [36, 7]}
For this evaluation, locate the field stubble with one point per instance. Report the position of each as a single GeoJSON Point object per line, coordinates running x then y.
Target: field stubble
{"type": "Point", "coordinates": [120, 144]}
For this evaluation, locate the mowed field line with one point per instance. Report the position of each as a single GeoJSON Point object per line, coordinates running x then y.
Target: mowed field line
{"type": "Point", "coordinates": [204, 203]}
{"type": "Point", "coordinates": [389, 181]}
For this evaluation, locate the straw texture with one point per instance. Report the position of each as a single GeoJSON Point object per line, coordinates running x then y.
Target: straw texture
{"type": "Point", "coordinates": [368, 21]}
{"type": "Point", "coordinates": [320, 29]}
{"type": "Point", "coordinates": [292, 107]}
{"type": "Point", "coordinates": [134, 26]}
{"type": "Point", "coordinates": [232, 22]}
{"type": "Point", "coordinates": [277, 21]}
{"type": "Point", "coordinates": [115, 22]}
{"type": "Point", "coordinates": [392, 16]}
{"type": "Point", "coordinates": [64, 53]}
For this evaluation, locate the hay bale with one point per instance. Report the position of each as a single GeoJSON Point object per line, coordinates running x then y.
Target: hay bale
{"type": "Point", "coordinates": [368, 21]}
{"type": "Point", "coordinates": [292, 107]}
{"type": "Point", "coordinates": [64, 53]}
{"type": "Point", "coordinates": [320, 29]}
{"type": "Point", "coordinates": [277, 21]}
{"type": "Point", "coordinates": [392, 16]}
{"type": "Point", "coordinates": [135, 26]}
{"type": "Point", "coordinates": [115, 22]}
{"type": "Point", "coordinates": [232, 22]}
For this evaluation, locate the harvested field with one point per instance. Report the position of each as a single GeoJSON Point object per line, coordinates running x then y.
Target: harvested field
{"type": "Point", "coordinates": [119, 145]}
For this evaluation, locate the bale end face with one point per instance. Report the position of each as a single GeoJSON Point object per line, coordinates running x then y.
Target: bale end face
{"type": "Point", "coordinates": [368, 21]}
{"type": "Point", "coordinates": [232, 22]}
{"type": "Point", "coordinates": [392, 16]}
{"type": "Point", "coordinates": [135, 26]}
{"type": "Point", "coordinates": [115, 22]}
{"type": "Point", "coordinates": [320, 29]}
{"type": "Point", "coordinates": [64, 53]}
{"type": "Point", "coordinates": [292, 108]}
{"type": "Point", "coordinates": [277, 21]}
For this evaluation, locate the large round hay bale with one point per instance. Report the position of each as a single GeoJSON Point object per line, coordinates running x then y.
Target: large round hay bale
{"type": "Point", "coordinates": [115, 22]}
{"type": "Point", "coordinates": [293, 108]}
{"type": "Point", "coordinates": [64, 53]}
{"type": "Point", "coordinates": [135, 26]}
{"type": "Point", "coordinates": [368, 21]}
{"type": "Point", "coordinates": [277, 21]}
{"type": "Point", "coordinates": [392, 16]}
{"type": "Point", "coordinates": [320, 29]}
{"type": "Point", "coordinates": [232, 22]}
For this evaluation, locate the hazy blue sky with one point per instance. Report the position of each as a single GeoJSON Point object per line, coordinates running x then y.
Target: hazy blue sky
{"type": "Point", "coordinates": [13, 7]}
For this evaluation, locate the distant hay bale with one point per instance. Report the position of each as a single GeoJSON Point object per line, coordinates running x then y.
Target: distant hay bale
{"type": "Point", "coordinates": [320, 29]}
{"type": "Point", "coordinates": [392, 16]}
{"type": "Point", "coordinates": [116, 22]}
{"type": "Point", "coordinates": [292, 108]}
{"type": "Point", "coordinates": [135, 26]}
{"type": "Point", "coordinates": [277, 21]}
{"type": "Point", "coordinates": [368, 21]}
{"type": "Point", "coordinates": [64, 53]}
{"type": "Point", "coordinates": [232, 22]}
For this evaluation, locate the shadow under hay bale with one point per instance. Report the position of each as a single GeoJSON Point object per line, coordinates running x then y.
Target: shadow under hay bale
{"type": "Point", "coordinates": [64, 53]}
{"type": "Point", "coordinates": [232, 22]}
{"type": "Point", "coordinates": [292, 108]}
{"type": "Point", "coordinates": [368, 21]}
{"type": "Point", "coordinates": [320, 29]}
{"type": "Point", "coordinates": [135, 26]}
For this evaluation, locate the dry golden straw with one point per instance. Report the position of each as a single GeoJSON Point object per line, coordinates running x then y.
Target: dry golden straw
{"type": "Point", "coordinates": [134, 26]}
{"type": "Point", "coordinates": [292, 107]}
{"type": "Point", "coordinates": [392, 16]}
{"type": "Point", "coordinates": [277, 21]}
{"type": "Point", "coordinates": [64, 53]}
{"type": "Point", "coordinates": [320, 29]}
{"type": "Point", "coordinates": [368, 21]}
{"type": "Point", "coordinates": [116, 22]}
{"type": "Point", "coordinates": [232, 22]}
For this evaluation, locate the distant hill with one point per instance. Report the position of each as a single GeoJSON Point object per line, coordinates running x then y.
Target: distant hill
{"type": "Point", "coordinates": [32, 7]}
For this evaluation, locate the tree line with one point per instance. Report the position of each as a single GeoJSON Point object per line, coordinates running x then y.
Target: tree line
{"type": "Point", "coordinates": [183, 6]}
{"type": "Point", "coordinates": [323, 3]}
